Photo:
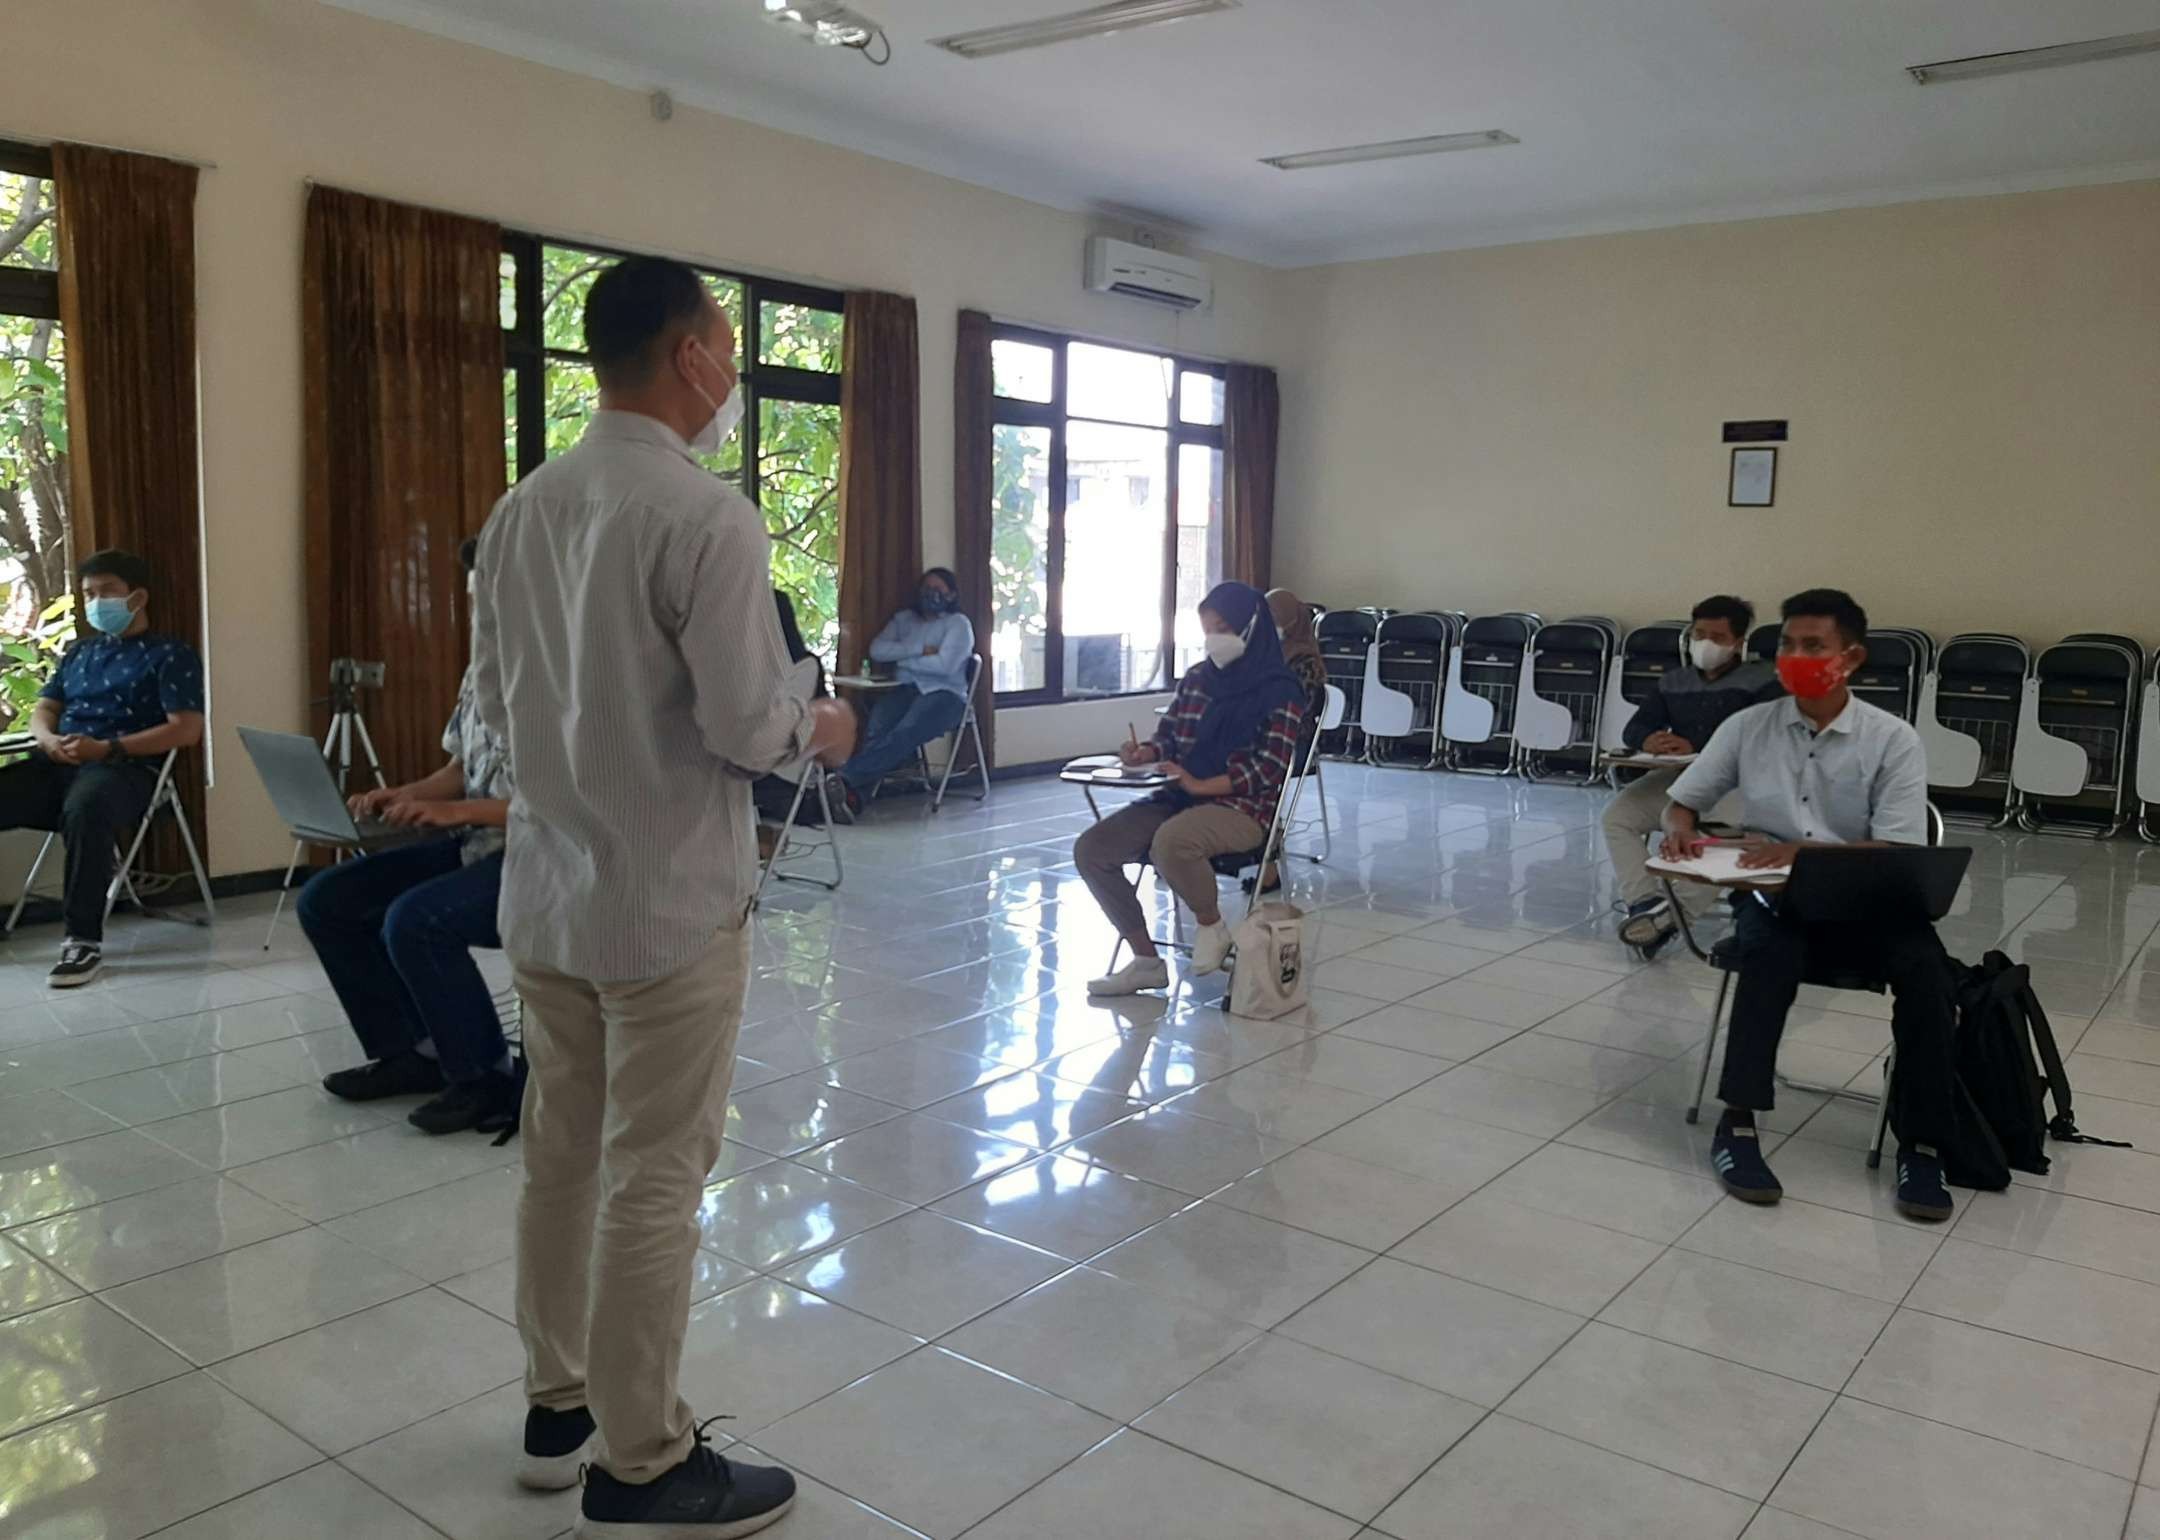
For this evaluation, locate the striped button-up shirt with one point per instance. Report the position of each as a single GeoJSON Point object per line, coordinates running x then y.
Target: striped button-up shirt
{"type": "Point", "coordinates": [1256, 773]}
{"type": "Point", "coordinates": [626, 647]}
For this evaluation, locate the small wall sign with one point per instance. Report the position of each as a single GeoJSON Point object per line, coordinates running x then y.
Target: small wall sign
{"type": "Point", "coordinates": [1754, 479]}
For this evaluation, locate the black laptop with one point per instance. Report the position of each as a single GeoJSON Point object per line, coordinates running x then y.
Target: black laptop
{"type": "Point", "coordinates": [1849, 885]}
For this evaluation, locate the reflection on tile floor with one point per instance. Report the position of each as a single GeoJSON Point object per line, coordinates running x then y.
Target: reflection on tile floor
{"type": "Point", "coordinates": [1437, 1258]}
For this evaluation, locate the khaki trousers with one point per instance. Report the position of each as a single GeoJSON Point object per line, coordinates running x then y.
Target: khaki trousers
{"type": "Point", "coordinates": [1179, 845]}
{"type": "Point", "coordinates": [1637, 813]}
{"type": "Point", "coordinates": [624, 1105]}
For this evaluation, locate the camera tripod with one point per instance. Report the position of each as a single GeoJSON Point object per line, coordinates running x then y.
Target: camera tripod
{"type": "Point", "coordinates": [346, 723]}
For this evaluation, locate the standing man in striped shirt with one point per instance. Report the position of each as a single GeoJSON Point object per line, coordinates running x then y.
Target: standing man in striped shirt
{"type": "Point", "coordinates": [626, 646]}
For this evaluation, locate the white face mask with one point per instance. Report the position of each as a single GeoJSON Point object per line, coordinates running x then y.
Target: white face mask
{"type": "Point", "coordinates": [1711, 656]}
{"type": "Point", "coordinates": [727, 416]}
{"type": "Point", "coordinates": [1224, 648]}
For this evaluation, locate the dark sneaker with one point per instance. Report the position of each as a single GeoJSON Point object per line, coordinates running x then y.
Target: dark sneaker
{"type": "Point", "coordinates": [557, 1445]}
{"type": "Point", "coordinates": [704, 1498]}
{"type": "Point", "coordinates": [1647, 925]}
{"type": "Point", "coordinates": [466, 1105]}
{"type": "Point", "coordinates": [408, 1074]}
{"type": "Point", "coordinates": [847, 802]}
{"type": "Point", "coordinates": [1920, 1190]}
{"type": "Point", "coordinates": [1736, 1155]}
{"type": "Point", "coordinates": [80, 962]}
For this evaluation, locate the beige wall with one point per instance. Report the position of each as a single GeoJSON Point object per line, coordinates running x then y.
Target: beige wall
{"type": "Point", "coordinates": [274, 92]}
{"type": "Point", "coordinates": [1973, 386]}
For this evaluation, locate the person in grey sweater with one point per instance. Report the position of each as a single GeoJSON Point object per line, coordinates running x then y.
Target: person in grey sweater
{"type": "Point", "coordinates": [1691, 702]}
{"type": "Point", "coordinates": [927, 646]}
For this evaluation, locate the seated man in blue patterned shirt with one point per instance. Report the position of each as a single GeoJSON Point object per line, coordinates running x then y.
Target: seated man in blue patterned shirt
{"type": "Point", "coordinates": [122, 697]}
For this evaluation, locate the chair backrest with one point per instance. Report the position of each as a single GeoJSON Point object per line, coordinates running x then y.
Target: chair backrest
{"type": "Point", "coordinates": [1338, 706]}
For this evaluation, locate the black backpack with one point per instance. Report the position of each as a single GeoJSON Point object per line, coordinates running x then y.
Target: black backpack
{"type": "Point", "coordinates": [1999, 1110]}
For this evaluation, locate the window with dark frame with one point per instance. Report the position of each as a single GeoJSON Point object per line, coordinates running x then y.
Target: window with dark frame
{"type": "Point", "coordinates": [1106, 515]}
{"type": "Point", "coordinates": [36, 619]}
{"type": "Point", "coordinates": [786, 455]}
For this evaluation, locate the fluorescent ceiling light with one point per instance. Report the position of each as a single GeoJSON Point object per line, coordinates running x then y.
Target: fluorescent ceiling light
{"type": "Point", "coordinates": [1393, 149]}
{"type": "Point", "coordinates": [2036, 58]}
{"type": "Point", "coordinates": [1121, 16]}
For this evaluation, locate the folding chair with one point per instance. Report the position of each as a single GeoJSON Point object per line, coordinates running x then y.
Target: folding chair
{"type": "Point", "coordinates": [2076, 733]}
{"type": "Point", "coordinates": [1724, 956]}
{"type": "Point", "coordinates": [1969, 708]}
{"type": "Point", "coordinates": [165, 796]}
{"type": "Point", "coordinates": [967, 729]}
{"type": "Point", "coordinates": [1331, 718]}
{"type": "Point", "coordinates": [787, 845]}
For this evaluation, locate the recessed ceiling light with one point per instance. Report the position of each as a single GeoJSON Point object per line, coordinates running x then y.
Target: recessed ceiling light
{"type": "Point", "coordinates": [1121, 16]}
{"type": "Point", "coordinates": [2091, 52]}
{"type": "Point", "coordinates": [1392, 149]}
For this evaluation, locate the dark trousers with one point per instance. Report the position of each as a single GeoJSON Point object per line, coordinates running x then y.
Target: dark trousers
{"type": "Point", "coordinates": [92, 806]}
{"type": "Point", "coordinates": [395, 931]}
{"type": "Point", "coordinates": [1777, 955]}
{"type": "Point", "coordinates": [902, 721]}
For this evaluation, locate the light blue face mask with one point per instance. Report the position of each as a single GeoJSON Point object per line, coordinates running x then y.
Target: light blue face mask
{"type": "Point", "coordinates": [111, 616]}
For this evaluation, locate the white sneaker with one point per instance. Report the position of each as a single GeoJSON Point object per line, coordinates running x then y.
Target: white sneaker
{"type": "Point", "coordinates": [1141, 973]}
{"type": "Point", "coordinates": [1210, 948]}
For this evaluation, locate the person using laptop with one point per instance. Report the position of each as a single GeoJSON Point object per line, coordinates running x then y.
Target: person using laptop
{"type": "Point", "coordinates": [396, 929]}
{"type": "Point", "coordinates": [1822, 768]}
{"type": "Point", "coordinates": [1691, 702]}
{"type": "Point", "coordinates": [122, 697]}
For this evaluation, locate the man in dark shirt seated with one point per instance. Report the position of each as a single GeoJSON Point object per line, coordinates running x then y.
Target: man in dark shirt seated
{"type": "Point", "coordinates": [1692, 701]}
{"type": "Point", "coordinates": [122, 697]}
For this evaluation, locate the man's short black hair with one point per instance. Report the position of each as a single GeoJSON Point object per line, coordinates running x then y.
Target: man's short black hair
{"type": "Point", "coordinates": [124, 565]}
{"type": "Point", "coordinates": [1737, 613]}
{"type": "Point", "coordinates": [1844, 612]}
{"type": "Point", "coordinates": [633, 306]}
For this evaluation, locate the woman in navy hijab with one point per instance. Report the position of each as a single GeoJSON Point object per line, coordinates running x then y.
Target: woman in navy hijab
{"type": "Point", "coordinates": [1228, 740]}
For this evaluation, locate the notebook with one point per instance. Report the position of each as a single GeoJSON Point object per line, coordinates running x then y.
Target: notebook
{"type": "Point", "coordinates": [1720, 863]}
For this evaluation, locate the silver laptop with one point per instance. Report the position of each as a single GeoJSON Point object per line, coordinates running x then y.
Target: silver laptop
{"type": "Point", "coordinates": [305, 791]}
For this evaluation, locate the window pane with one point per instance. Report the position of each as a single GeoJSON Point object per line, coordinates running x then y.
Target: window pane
{"type": "Point", "coordinates": [799, 337]}
{"type": "Point", "coordinates": [572, 397]}
{"type": "Point", "coordinates": [1019, 556]}
{"type": "Point", "coordinates": [1118, 384]}
{"type": "Point", "coordinates": [729, 293]}
{"type": "Point", "coordinates": [1200, 398]}
{"type": "Point", "coordinates": [1199, 542]}
{"type": "Point", "coordinates": [566, 275]}
{"type": "Point", "coordinates": [1021, 370]}
{"type": "Point", "coordinates": [34, 555]}
{"type": "Point", "coordinates": [506, 291]}
{"type": "Point", "coordinates": [799, 489]}
{"type": "Point", "coordinates": [510, 436]}
{"type": "Point", "coordinates": [1115, 501]}
{"type": "Point", "coordinates": [29, 215]}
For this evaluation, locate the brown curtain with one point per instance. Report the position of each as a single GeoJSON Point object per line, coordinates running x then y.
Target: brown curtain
{"type": "Point", "coordinates": [1252, 417]}
{"type": "Point", "coordinates": [972, 434]}
{"type": "Point", "coordinates": [880, 467]}
{"type": "Point", "coordinates": [127, 307]}
{"type": "Point", "coordinates": [403, 390]}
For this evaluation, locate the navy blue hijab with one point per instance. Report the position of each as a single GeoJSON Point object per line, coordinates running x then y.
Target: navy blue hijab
{"type": "Point", "coordinates": [1243, 696]}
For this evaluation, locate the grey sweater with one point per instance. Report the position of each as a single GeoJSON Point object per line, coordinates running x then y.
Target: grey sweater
{"type": "Point", "coordinates": [1694, 707]}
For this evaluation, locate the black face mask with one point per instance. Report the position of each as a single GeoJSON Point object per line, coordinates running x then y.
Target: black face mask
{"type": "Point", "coordinates": [934, 601]}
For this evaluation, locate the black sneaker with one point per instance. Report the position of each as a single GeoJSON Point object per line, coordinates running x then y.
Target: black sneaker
{"type": "Point", "coordinates": [704, 1498]}
{"type": "Point", "coordinates": [80, 962]}
{"type": "Point", "coordinates": [407, 1074]}
{"type": "Point", "coordinates": [466, 1105]}
{"type": "Point", "coordinates": [557, 1445]}
{"type": "Point", "coordinates": [1647, 925]}
{"type": "Point", "coordinates": [1736, 1155]}
{"type": "Point", "coordinates": [1920, 1190]}
{"type": "Point", "coordinates": [847, 802]}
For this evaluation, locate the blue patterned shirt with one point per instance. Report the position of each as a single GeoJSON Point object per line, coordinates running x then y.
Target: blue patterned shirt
{"type": "Point", "coordinates": [485, 760]}
{"type": "Point", "coordinates": [110, 686]}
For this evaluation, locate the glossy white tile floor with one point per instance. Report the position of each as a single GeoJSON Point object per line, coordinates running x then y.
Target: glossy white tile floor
{"type": "Point", "coordinates": [1437, 1259]}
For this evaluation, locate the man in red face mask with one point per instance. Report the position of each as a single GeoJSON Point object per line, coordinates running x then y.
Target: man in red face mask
{"type": "Point", "coordinates": [1821, 768]}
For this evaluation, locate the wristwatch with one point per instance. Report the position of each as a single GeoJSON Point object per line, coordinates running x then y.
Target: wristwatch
{"type": "Point", "coordinates": [116, 752]}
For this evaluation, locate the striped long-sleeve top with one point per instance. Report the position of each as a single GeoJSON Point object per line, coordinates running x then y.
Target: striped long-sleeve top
{"type": "Point", "coordinates": [1256, 773]}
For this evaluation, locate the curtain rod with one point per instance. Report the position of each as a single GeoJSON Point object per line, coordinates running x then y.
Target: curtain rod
{"type": "Point", "coordinates": [46, 141]}
{"type": "Point", "coordinates": [606, 243]}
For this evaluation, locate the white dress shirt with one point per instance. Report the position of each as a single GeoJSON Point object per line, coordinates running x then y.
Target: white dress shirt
{"type": "Point", "coordinates": [626, 647]}
{"type": "Point", "coordinates": [1863, 777]}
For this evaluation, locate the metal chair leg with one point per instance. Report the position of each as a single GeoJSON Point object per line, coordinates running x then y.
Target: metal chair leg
{"type": "Point", "coordinates": [1882, 1119]}
{"type": "Point", "coordinates": [15, 914]}
{"type": "Point", "coordinates": [1709, 1047]}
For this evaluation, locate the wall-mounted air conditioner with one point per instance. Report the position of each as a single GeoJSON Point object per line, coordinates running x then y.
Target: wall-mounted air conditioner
{"type": "Point", "coordinates": [1119, 267]}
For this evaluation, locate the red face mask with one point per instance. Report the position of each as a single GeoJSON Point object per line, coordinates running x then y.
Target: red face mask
{"type": "Point", "coordinates": [1810, 677]}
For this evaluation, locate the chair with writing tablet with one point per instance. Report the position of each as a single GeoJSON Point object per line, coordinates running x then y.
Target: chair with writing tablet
{"type": "Point", "coordinates": [1906, 879]}
{"type": "Point", "coordinates": [1969, 708]}
{"type": "Point", "coordinates": [1487, 676]}
{"type": "Point", "coordinates": [1346, 639]}
{"type": "Point", "coordinates": [2075, 735]}
{"type": "Point", "coordinates": [1408, 664]}
{"type": "Point", "coordinates": [792, 843]}
{"type": "Point", "coordinates": [1558, 723]}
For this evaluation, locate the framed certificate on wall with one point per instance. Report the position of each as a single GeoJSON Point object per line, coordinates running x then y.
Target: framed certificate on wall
{"type": "Point", "coordinates": [1754, 479]}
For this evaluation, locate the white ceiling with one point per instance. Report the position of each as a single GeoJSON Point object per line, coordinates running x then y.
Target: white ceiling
{"type": "Point", "coordinates": [1632, 113]}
